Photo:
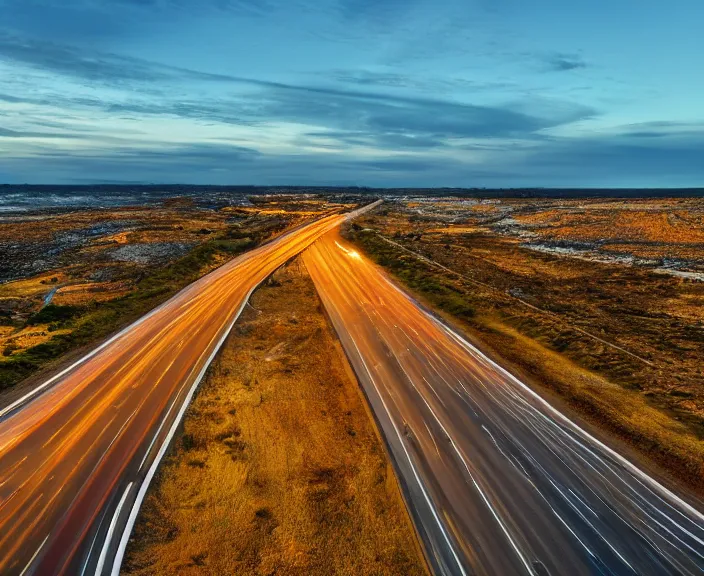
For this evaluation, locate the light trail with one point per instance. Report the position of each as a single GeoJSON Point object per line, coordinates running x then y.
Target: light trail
{"type": "Point", "coordinates": [83, 446]}
{"type": "Point", "coordinates": [498, 481]}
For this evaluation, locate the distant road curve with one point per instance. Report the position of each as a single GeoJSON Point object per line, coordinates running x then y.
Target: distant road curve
{"type": "Point", "coordinates": [78, 452]}
{"type": "Point", "coordinates": [498, 481]}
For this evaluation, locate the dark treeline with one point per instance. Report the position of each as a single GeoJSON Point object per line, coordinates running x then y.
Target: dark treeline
{"type": "Point", "coordinates": [167, 190]}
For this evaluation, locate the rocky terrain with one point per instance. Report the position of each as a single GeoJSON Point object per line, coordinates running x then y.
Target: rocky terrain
{"type": "Point", "coordinates": [664, 235]}
{"type": "Point", "coordinates": [597, 302]}
{"type": "Point", "coordinates": [69, 276]}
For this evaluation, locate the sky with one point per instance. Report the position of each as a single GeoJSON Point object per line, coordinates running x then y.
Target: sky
{"type": "Point", "coordinates": [411, 93]}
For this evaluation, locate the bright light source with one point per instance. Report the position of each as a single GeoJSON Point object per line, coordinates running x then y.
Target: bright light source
{"type": "Point", "coordinates": [350, 253]}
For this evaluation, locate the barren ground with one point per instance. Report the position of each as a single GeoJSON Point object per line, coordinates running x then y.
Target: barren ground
{"type": "Point", "coordinates": [68, 279]}
{"type": "Point", "coordinates": [618, 336]}
{"type": "Point", "coordinates": [279, 469]}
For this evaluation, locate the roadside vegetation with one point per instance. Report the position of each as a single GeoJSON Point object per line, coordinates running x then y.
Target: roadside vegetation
{"type": "Point", "coordinates": [279, 468]}
{"type": "Point", "coordinates": [95, 295]}
{"type": "Point", "coordinates": [619, 344]}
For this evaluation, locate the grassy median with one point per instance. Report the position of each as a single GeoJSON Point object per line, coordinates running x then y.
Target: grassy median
{"type": "Point", "coordinates": [279, 469]}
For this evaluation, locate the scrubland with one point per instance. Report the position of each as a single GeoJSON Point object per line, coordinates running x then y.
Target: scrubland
{"type": "Point", "coordinates": [72, 278]}
{"type": "Point", "coordinates": [279, 469]}
{"type": "Point", "coordinates": [614, 337]}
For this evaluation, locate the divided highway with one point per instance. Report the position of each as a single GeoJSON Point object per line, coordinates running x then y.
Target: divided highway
{"type": "Point", "coordinates": [498, 482]}
{"type": "Point", "coordinates": [77, 454]}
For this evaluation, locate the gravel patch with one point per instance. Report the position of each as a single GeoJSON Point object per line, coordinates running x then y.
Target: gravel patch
{"type": "Point", "coordinates": [150, 253]}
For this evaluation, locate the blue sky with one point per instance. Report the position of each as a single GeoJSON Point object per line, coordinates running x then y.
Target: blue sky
{"type": "Point", "coordinates": [353, 92]}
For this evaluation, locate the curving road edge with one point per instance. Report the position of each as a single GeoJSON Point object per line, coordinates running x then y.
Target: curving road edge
{"type": "Point", "coordinates": [78, 453]}
{"type": "Point", "coordinates": [497, 480]}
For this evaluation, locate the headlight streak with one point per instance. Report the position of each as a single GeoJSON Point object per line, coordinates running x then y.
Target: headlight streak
{"type": "Point", "coordinates": [559, 498]}
{"type": "Point", "coordinates": [91, 431]}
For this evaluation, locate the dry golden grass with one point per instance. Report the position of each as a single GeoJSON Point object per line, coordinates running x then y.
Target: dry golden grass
{"type": "Point", "coordinates": [279, 469]}
{"type": "Point", "coordinates": [20, 339]}
{"type": "Point", "coordinates": [677, 222]}
{"type": "Point", "coordinates": [484, 208]}
{"type": "Point", "coordinates": [32, 287]}
{"type": "Point", "coordinates": [620, 345]}
{"type": "Point", "coordinates": [619, 409]}
{"type": "Point", "coordinates": [119, 238]}
{"type": "Point", "coordinates": [82, 294]}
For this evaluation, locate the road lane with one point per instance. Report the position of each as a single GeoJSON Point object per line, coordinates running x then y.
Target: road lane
{"type": "Point", "coordinates": [75, 460]}
{"type": "Point", "coordinates": [497, 480]}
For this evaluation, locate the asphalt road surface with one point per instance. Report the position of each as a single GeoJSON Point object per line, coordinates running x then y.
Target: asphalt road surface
{"type": "Point", "coordinates": [498, 482]}
{"type": "Point", "coordinates": [77, 454]}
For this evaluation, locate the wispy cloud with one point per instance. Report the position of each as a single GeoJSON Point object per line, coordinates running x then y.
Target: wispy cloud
{"type": "Point", "coordinates": [565, 62]}
{"type": "Point", "coordinates": [379, 118]}
{"type": "Point", "coordinates": [96, 66]}
{"type": "Point", "coordinates": [344, 91]}
{"type": "Point", "coordinates": [595, 161]}
{"type": "Point", "coordinates": [7, 133]}
{"type": "Point", "coordinates": [428, 84]}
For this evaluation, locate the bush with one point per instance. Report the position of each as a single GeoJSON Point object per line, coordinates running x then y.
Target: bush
{"type": "Point", "coordinates": [9, 349]}
{"type": "Point", "coordinates": [54, 313]}
{"type": "Point", "coordinates": [49, 350]}
{"type": "Point", "coordinates": [14, 369]}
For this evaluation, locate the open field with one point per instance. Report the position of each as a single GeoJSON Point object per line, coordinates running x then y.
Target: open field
{"type": "Point", "coordinates": [279, 469]}
{"type": "Point", "coordinates": [617, 335]}
{"type": "Point", "coordinates": [71, 278]}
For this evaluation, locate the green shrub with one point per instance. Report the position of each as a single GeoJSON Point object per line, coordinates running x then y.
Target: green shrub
{"type": "Point", "coordinates": [97, 321]}
{"type": "Point", "coordinates": [9, 349]}
{"type": "Point", "coordinates": [54, 313]}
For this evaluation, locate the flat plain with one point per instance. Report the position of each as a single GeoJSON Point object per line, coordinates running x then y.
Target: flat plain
{"type": "Point", "coordinates": [598, 304]}
{"type": "Point", "coordinates": [71, 277]}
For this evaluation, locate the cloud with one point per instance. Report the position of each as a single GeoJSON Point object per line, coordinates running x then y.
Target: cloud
{"type": "Point", "coordinates": [599, 161]}
{"type": "Point", "coordinates": [219, 164]}
{"type": "Point", "coordinates": [9, 98]}
{"type": "Point", "coordinates": [367, 78]}
{"type": "Point", "coordinates": [622, 158]}
{"type": "Point", "coordinates": [193, 155]}
{"type": "Point", "coordinates": [6, 133]}
{"type": "Point", "coordinates": [373, 113]}
{"type": "Point", "coordinates": [378, 119]}
{"type": "Point", "coordinates": [367, 115]}
{"type": "Point", "coordinates": [602, 160]}
{"type": "Point", "coordinates": [184, 163]}
{"type": "Point", "coordinates": [564, 62]}
{"type": "Point", "coordinates": [98, 66]}
{"type": "Point", "coordinates": [399, 81]}
{"type": "Point", "coordinates": [662, 129]}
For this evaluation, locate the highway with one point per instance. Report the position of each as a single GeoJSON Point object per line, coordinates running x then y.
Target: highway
{"type": "Point", "coordinates": [497, 481]}
{"type": "Point", "coordinates": [77, 454]}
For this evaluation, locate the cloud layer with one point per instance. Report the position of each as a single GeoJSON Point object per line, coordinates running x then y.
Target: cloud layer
{"type": "Point", "coordinates": [344, 91]}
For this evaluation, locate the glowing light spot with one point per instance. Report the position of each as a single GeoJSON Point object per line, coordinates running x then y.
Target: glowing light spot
{"type": "Point", "coordinates": [350, 253]}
